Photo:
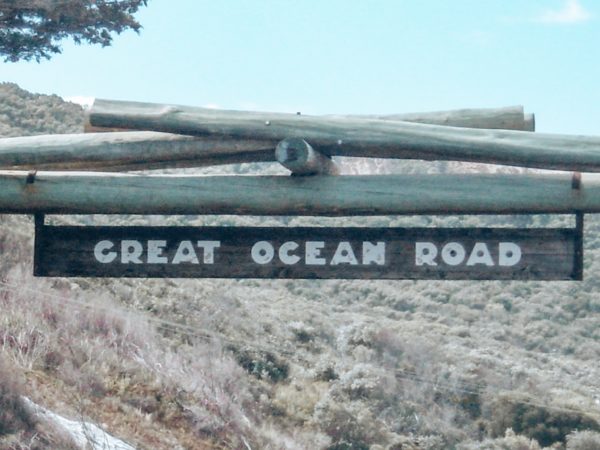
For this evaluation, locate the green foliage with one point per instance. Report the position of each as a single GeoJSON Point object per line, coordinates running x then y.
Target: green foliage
{"type": "Point", "coordinates": [263, 365]}
{"type": "Point", "coordinates": [26, 114]}
{"type": "Point", "coordinates": [327, 374]}
{"type": "Point", "coordinates": [32, 29]}
{"type": "Point", "coordinates": [546, 425]}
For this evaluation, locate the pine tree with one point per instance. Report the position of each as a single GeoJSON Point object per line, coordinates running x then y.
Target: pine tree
{"type": "Point", "coordinates": [33, 29]}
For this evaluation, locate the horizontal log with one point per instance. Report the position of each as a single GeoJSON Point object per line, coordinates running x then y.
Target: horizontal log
{"type": "Point", "coordinates": [77, 193]}
{"type": "Point", "coordinates": [300, 158]}
{"type": "Point", "coordinates": [361, 137]}
{"type": "Point", "coordinates": [147, 150]}
{"type": "Point", "coordinates": [507, 118]}
{"type": "Point", "coordinates": [140, 150]}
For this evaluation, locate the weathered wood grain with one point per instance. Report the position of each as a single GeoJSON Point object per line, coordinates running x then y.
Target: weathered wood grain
{"type": "Point", "coordinates": [307, 252]}
{"type": "Point", "coordinates": [119, 151]}
{"type": "Point", "coordinates": [507, 118]}
{"type": "Point", "coordinates": [52, 192]}
{"type": "Point", "coordinates": [300, 158]}
{"type": "Point", "coordinates": [361, 137]}
{"type": "Point", "coordinates": [146, 150]}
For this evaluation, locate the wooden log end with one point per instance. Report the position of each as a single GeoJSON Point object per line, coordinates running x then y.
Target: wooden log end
{"type": "Point", "coordinates": [300, 158]}
{"type": "Point", "coordinates": [89, 128]}
{"type": "Point", "coordinates": [529, 122]}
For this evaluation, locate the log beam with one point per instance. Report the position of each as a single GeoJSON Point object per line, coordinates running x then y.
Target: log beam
{"type": "Point", "coordinates": [334, 136]}
{"type": "Point", "coordinates": [77, 193]}
{"type": "Point", "coordinates": [121, 151]}
{"type": "Point", "coordinates": [507, 118]}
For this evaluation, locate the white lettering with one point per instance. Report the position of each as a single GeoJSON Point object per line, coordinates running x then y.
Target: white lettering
{"type": "Point", "coordinates": [453, 253]}
{"type": "Point", "coordinates": [480, 255]}
{"type": "Point", "coordinates": [344, 255]}
{"type": "Point", "coordinates": [313, 253]}
{"type": "Point", "coordinates": [509, 254]}
{"type": "Point", "coordinates": [425, 253]}
{"type": "Point", "coordinates": [185, 253]}
{"type": "Point", "coordinates": [373, 253]}
{"type": "Point", "coordinates": [284, 253]}
{"type": "Point", "coordinates": [208, 248]}
{"type": "Point", "coordinates": [102, 255]}
{"type": "Point", "coordinates": [155, 250]}
{"type": "Point", "coordinates": [262, 252]}
{"type": "Point", "coordinates": [131, 251]}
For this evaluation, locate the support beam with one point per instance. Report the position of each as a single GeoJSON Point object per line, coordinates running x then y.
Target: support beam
{"type": "Point", "coordinates": [64, 193]}
{"type": "Point", "coordinates": [138, 150]}
{"type": "Point", "coordinates": [506, 118]}
{"type": "Point", "coordinates": [300, 158]}
{"type": "Point", "coordinates": [361, 137]}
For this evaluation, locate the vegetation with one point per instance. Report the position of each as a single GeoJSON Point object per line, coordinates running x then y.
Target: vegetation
{"type": "Point", "coordinates": [301, 364]}
{"type": "Point", "coordinates": [26, 114]}
{"type": "Point", "coordinates": [32, 29]}
{"type": "Point", "coordinates": [19, 427]}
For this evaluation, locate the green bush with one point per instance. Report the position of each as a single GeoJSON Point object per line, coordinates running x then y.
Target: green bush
{"type": "Point", "coordinates": [547, 425]}
{"type": "Point", "coordinates": [263, 365]}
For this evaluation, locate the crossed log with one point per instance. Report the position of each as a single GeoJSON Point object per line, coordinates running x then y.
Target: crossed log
{"type": "Point", "coordinates": [172, 136]}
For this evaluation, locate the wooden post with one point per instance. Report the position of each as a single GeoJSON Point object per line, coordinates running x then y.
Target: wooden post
{"type": "Point", "coordinates": [301, 159]}
{"type": "Point", "coordinates": [64, 193]}
{"type": "Point", "coordinates": [361, 137]}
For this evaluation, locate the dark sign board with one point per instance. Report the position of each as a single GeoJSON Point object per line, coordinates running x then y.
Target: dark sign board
{"type": "Point", "coordinates": [309, 252]}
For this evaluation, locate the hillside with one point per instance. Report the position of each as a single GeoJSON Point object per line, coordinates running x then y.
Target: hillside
{"type": "Point", "coordinates": [294, 364]}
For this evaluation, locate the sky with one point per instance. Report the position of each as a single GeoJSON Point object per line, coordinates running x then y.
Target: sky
{"type": "Point", "coordinates": [345, 57]}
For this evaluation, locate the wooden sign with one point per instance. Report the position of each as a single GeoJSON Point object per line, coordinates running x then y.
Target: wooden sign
{"type": "Point", "coordinates": [309, 252]}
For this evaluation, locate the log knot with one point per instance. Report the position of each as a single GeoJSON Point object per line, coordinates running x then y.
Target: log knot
{"type": "Point", "coordinates": [31, 177]}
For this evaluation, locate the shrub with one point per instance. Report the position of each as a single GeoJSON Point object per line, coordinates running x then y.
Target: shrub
{"type": "Point", "coordinates": [262, 364]}
{"type": "Point", "coordinates": [510, 441]}
{"type": "Point", "coordinates": [14, 415]}
{"type": "Point", "coordinates": [548, 425]}
{"type": "Point", "coordinates": [20, 428]}
{"type": "Point", "coordinates": [583, 440]}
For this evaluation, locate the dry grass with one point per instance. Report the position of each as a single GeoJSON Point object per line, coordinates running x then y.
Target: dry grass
{"type": "Point", "coordinates": [20, 428]}
{"type": "Point", "coordinates": [113, 368]}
